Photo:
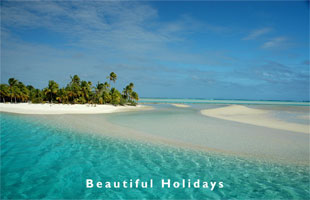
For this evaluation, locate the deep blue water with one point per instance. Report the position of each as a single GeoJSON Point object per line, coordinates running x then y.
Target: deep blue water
{"type": "Point", "coordinates": [39, 160]}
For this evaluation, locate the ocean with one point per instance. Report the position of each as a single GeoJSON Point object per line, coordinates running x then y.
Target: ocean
{"type": "Point", "coordinates": [51, 157]}
{"type": "Point", "coordinates": [222, 102]}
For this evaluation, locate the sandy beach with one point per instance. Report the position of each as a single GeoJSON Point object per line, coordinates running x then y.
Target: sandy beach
{"type": "Point", "coordinates": [180, 105]}
{"type": "Point", "coordinates": [38, 109]}
{"type": "Point", "coordinates": [243, 114]}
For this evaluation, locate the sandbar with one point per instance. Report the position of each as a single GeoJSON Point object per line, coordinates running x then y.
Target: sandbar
{"type": "Point", "coordinates": [253, 116]}
{"type": "Point", "coordinates": [180, 105]}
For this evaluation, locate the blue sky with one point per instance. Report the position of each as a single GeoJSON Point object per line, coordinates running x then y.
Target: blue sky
{"type": "Point", "coordinates": [213, 50]}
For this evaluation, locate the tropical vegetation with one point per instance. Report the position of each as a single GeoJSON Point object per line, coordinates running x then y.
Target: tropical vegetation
{"type": "Point", "coordinates": [76, 92]}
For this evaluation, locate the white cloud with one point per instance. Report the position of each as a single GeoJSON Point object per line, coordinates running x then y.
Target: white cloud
{"type": "Point", "coordinates": [257, 33]}
{"type": "Point", "coordinates": [127, 30]}
{"type": "Point", "coordinates": [107, 34]}
{"type": "Point", "coordinates": [275, 42]}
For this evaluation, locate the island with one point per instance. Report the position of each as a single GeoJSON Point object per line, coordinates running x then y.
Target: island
{"type": "Point", "coordinates": [78, 97]}
{"type": "Point", "coordinates": [76, 92]}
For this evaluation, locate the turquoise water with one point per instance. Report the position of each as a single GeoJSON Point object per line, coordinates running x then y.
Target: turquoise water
{"type": "Point", "coordinates": [39, 160]}
{"type": "Point", "coordinates": [187, 125]}
{"type": "Point", "coordinates": [207, 101]}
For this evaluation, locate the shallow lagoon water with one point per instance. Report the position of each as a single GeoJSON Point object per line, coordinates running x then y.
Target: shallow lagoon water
{"type": "Point", "coordinates": [189, 127]}
{"type": "Point", "coordinates": [40, 159]}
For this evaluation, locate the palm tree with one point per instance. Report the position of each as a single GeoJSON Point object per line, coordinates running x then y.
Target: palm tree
{"type": "Point", "coordinates": [12, 88]}
{"type": "Point", "coordinates": [74, 88]}
{"type": "Point", "coordinates": [135, 96]}
{"type": "Point", "coordinates": [37, 96]}
{"type": "Point", "coordinates": [112, 77]}
{"type": "Point", "coordinates": [51, 89]}
{"type": "Point", "coordinates": [106, 86]}
{"type": "Point", "coordinates": [116, 96]}
{"type": "Point", "coordinates": [86, 89]}
{"type": "Point", "coordinates": [75, 79]}
{"type": "Point", "coordinates": [69, 93]}
{"type": "Point", "coordinates": [12, 81]}
{"type": "Point", "coordinates": [106, 97]}
{"type": "Point", "coordinates": [128, 90]}
{"type": "Point", "coordinates": [4, 91]}
{"type": "Point", "coordinates": [24, 92]}
{"type": "Point", "coordinates": [76, 91]}
{"type": "Point", "coordinates": [31, 90]}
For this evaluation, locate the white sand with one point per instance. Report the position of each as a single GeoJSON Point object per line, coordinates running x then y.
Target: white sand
{"type": "Point", "coordinates": [180, 105]}
{"type": "Point", "coordinates": [37, 109]}
{"type": "Point", "coordinates": [253, 116]}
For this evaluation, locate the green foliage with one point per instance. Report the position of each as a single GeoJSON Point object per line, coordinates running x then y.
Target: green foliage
{"type": "Point", "coordinates": [4, 91]}
{"type": "Point", "coordinates": [76, 92]}
{"type": "Point", "coordinates": [112, 77]}
{"type": "Point", "coordinates": [107, 98]}
{"type": "Point", "coordinates": [12, 82]}
{"type": "Point", "coordinates": [116, 96]}
{"type": "Point", "coordinates": [100, 100]}
{"type": "Point", "coordinates": [38, 96]}
{"type": "Point", "coordinates": [132, 103]}
{"type": "Point", "coordinates": [51, 90]}
{"type": "Point", "coordinates": [122, 101]}
{"type": "Point", "coordinates": [135, 96]}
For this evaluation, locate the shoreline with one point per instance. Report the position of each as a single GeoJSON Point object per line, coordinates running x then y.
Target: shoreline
{"type": "Point", "coordinates": [55, 109]}
{"type": "Point", "coordinates": [253, 116]}
{"type": "Point", "coordinates": [226, 141]}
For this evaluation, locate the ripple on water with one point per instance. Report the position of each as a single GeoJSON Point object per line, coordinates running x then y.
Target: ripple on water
{"type": "Point", "coordinates": [41, 161]}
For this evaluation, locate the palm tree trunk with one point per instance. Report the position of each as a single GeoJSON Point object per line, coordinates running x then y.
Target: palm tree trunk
{"type": "Point", "coordinates": [11, 99]}
{"type": "Point", "coordinates": [3, 100]}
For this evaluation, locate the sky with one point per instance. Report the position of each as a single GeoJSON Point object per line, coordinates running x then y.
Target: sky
{"type": "Point", "coordinates": [173, 49]}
